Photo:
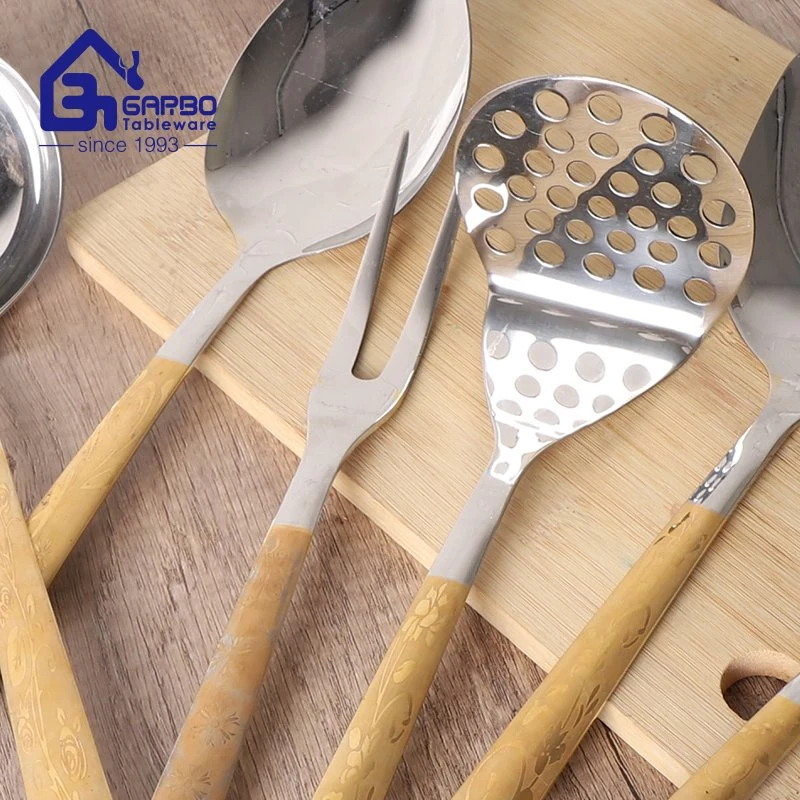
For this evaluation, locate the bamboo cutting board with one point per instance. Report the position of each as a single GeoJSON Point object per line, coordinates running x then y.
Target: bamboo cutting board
{"type": "Point", "coordinates": [590, 505]}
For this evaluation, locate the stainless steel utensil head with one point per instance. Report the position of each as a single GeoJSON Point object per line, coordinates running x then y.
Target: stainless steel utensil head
{"type": "Point", "coordinates": [614, 230]}
{"type": "Point", "coordinates": [30, 186]}
{"type": "Point", "coordinates": [767, 308]}
{"type": "Point", "coordinates": [309, 120]}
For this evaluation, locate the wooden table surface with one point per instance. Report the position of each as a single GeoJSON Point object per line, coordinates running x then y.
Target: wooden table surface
{"type": "Point", "coordinates": [146, 593]}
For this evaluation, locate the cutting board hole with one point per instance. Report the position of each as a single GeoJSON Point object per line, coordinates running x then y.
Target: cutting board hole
{"type": "Point", "coordinates": [752, 680]}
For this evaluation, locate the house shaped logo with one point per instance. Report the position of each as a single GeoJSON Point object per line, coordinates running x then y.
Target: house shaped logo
{"type": "Point", "coordinates": [89, 102]}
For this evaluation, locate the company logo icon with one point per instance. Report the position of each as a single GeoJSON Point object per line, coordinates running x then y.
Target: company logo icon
{"type": "Point", "coordinates": [89, 102]}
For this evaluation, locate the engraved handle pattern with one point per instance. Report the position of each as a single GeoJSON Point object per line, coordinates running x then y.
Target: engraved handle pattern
{"type": "Point", "coordinates": [66, 510]}
{"type": "Point", "coordinates": [737, 770]}
{"type": "Point", "coordinates": [526, 760]}
{"type": "Point", "coordinates": [207, 750]}
{"type": "Point", "coordinates": [56, 749]}
{"type": "Point", "coordinates": [373, 745]}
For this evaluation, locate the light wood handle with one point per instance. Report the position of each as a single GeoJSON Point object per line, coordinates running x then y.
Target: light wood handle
{"type": "Point", "coordinates": [66, 510]}
{"type": "Point", "coordinates": [207, 750]}
{"type": "Point", "coordinates": [372, 747]}
{"type": "Point", "coordinates": [531, 753]}
{"type": "Point", "coordinates": [56, 749]}
{"type": "Point", "coordinates": [737, 770]}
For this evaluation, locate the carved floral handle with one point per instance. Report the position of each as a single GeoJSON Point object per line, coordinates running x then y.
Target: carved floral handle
{"type": "Point", "coordinates": [66, 510]}
{"type": "Point", "coordinates": [373, 744]}
{"type": "Point", "coordinates": [742, 764]}
{"type": "Point", "coordinates": [526, 760]}
{"type": "Point", "coordinates": [56, 749]}
{"type": "Point", "coordinates": [208, 747]}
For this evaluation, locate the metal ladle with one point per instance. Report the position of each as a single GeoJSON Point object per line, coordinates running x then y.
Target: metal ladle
{"type": "Point", "coordinates": [44, 704]}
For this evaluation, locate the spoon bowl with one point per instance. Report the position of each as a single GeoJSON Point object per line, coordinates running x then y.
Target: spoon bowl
{"type": "Point", "coordinates": [311, 116]}
{"type": "Point", "coordinates": [30, 187]}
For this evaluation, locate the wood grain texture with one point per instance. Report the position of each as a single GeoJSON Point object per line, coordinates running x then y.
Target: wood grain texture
{"type": "Point", "coordinates": [744, 762]}
{"type": "Point", "coordinates": [70, 504]}
{"type": "Point", "coordinates": [208, 746]}
{"type": "Point", "coordinates": [55, 745]}
{"type": "Point", "coordinates": [372, 747]}
{"type": "Point", "coordinates": [591, 505]}
{"type": "Point", "coordinates": [149, 589]}
{"type": "Point", "coordinates": [527, 759]}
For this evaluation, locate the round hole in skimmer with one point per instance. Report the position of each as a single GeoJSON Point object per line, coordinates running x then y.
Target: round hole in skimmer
{"type": "Point", "coordinates": [649, 279]}
{"type": "Point", "coordinates": [666, 194]}
{"type": "Point", "coordinates": [509, 124]}
{"type": "Point", "coordinates": [623, 184]}
{"type": "Point", "coordinates": [715, 255]}
{"type": "Point", "coordinates": [599, 266]}
{"type": "Point", "coordinates": [719, 213]}
{"type": "Point", "coordinates": [500, 240]}
{"type": "Point", "coordinates": [621, 241]}
{"type": "Point", "coordinates": [700, 291]}
{"type": "Point", "coordinates": [601, 207]}
{"type": "Point", "coordinates": [698, 168]}
{"type": "Point", "coordinates": [580, 231]}
{"type": "Point", "coordinates": [682, 228]}
{"type": "Point", "coordinates": [559, 139]}
{"type": "Point", "coordinates": [657, 129]}
{"type": "Point", "coordinates": [581, 173]}
{"type": "Point", "coordinates": [663, 252]}
{"type": "Point", "coordinates": [489, 199]}
{"type": "Point", "coordinates": [539, 221]}
{"type": "Point", "coordinates": [521, 188]}
{"type": "Point", "coordinates": [648, 161]}
{"type": "Point", "coordinates": [642, 217]}
{"type": "Point", "coordinates": [549, 253]}
{"type": "Point", "coordinates": [551, 105]}
{"type": "Point", "coordinates": [561, 198]}
{"type": "Point", "coordinates": [603, 145]}
{"type": "Point", "coordinates": [489, 158]}
{"type": "Point", "coordinates": [539, 163]}
{"type": "Point", "coordinates": [605, 108]}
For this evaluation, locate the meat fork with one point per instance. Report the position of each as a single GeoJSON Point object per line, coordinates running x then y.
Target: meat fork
{"type": "Point", "coordinates": [343, 411]}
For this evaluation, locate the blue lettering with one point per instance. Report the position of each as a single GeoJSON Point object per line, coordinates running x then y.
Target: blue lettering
{"type": "Point", "coordinates": [208, 105]}
{"type": "Point", "coordinates": [130, 105]}
{"type": "Point", "coordinates": [168, 104]}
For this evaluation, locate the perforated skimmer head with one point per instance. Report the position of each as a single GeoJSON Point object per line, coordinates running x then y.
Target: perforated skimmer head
{"type": "Point", "coordinates": [614, 230]}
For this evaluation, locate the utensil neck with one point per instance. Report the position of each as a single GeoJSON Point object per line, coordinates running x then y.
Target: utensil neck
{"type": "Point", "coordinates": [732, 477]}
{"type": "Point", "coordinates": [197, 331]}
{"type": "Point", "coordinates": [461, 556]}
{"type": "Point", "coordinates": [303, 501]}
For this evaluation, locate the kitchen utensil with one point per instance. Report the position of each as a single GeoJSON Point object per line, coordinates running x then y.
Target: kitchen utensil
{"type": "Point", "coordinates": [306, 130]}
{"type": "Point", "coordinates": [537, 744]}
{"type": "Point", "coordinates": [343, 410]}
{"type": "Point", "coordinates": [742, 764]}
{"type": "Point", "coordinates": [56, 749]}
{"type": "Point", "coordinates": [588, 203]}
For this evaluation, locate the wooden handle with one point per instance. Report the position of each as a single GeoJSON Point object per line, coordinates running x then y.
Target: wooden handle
{"type": "Point", "coordinates": [56, 749]}
{"type": "Point", "coordinates": [531, 753]}
{"type": "Point", "coordinates": [66, 510]}
{"type": "Point", "coordinates": [373, 744]}
{"type": "Point", "coordinates": [207, 750]}
{"type": "Point", "coordinates": [737, 770]}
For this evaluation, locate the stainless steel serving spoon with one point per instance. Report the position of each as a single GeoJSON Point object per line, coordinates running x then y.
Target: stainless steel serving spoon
{"type": "Point", "coordinates": [44, 705]}
{"type": "Point", "coordinates": [307, 130]}
{"type": "Point", "coordinates": [530, 754]}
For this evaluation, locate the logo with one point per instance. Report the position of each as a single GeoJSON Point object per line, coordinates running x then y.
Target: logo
{"type": "Point", "coordinates": [88, 109]}
{"type": "Point", "coordinates": [89, 102]}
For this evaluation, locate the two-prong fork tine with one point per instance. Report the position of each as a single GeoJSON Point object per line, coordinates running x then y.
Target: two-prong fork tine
{"type": "Point", "coordinates": [350, 336]}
